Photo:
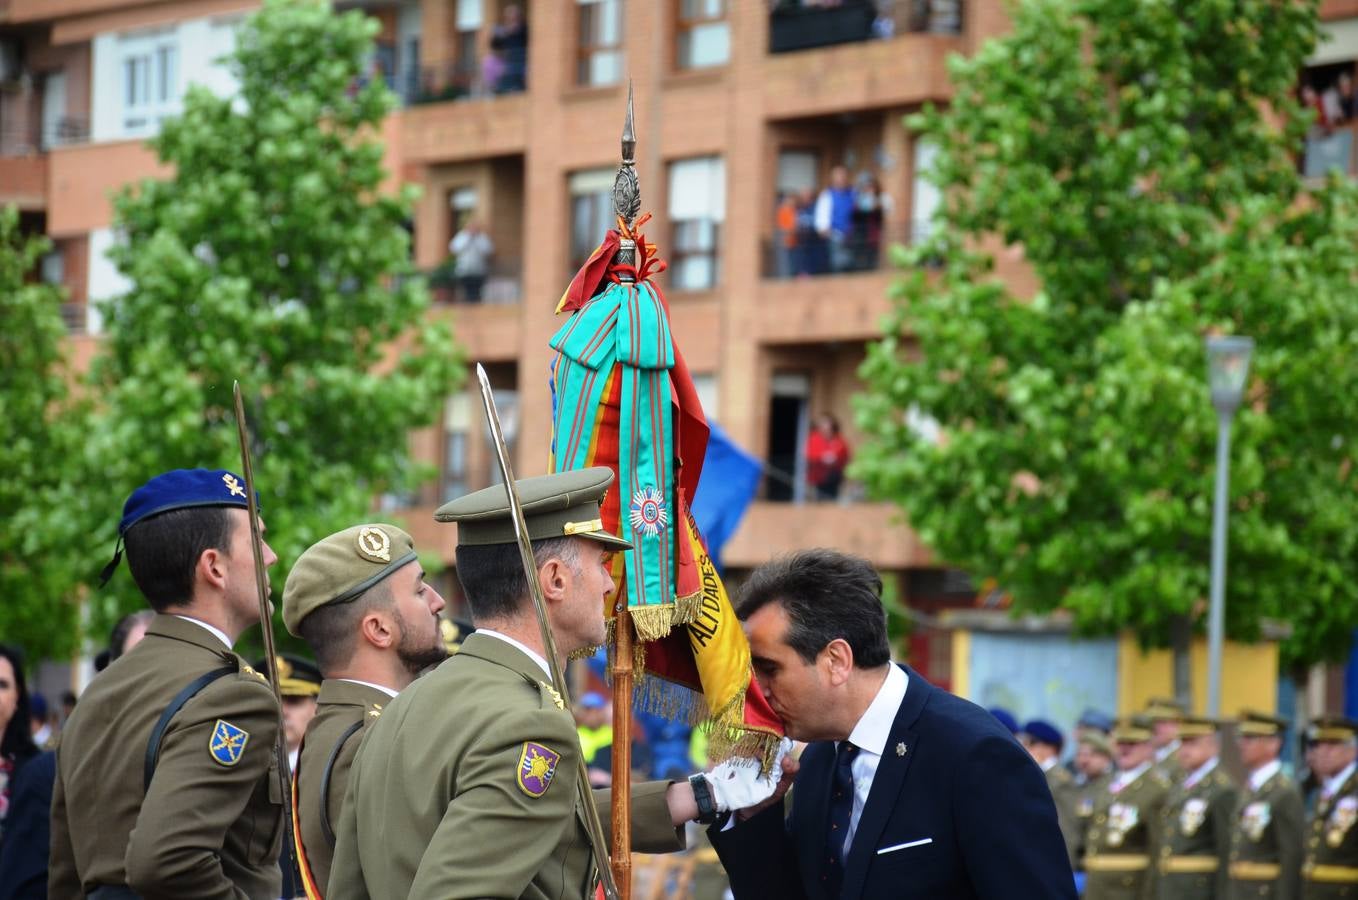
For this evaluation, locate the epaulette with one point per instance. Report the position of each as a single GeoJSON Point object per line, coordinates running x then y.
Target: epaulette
{"type": "Point", "coordinates": [554, 694]}
{"type": "Point", "coordinates": [247, 670]}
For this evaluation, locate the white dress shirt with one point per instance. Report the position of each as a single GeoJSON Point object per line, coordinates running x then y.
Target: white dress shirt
{"type": "Point", "coordinates": [1125, 778]}
{"type": "Point", "coordinates": [1335, 782]}
{"type": "Point", "coordinates": [377, 687]}
{"type": "Point", "coordinates": [1263, 774]}
{"type": "Point", "coordinates": [870, 737]}
{"type": "Point", "coordinates": [1200, 773]}
{"type": "Point", "coordinates": [215, 632]}
{"type": "Point", "coordinates": [532, 654]}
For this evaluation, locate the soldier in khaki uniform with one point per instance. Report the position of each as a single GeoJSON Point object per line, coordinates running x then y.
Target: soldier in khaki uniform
{"type": "Point", "coordinates": [1043, 741]}
{"type": "Point", "coordinates": [359, 600]}
{"type": "Point", "coordinates": [1165, 715]}
{"type": "Point", "coordinates": [466, 786]}
{"type": "Point", "coordinates": [1197, 818]}
{"type": "Point", "coordinates": [1124, 834]}
{"type": "Point", "coordinates": [189, 805]}
{"type": "Point", "coordinates": [1265, 856]}
{"type": "Point", "coordinates": [1094, 768]}
{"type": "Point", "coordinates": [1330, 867]}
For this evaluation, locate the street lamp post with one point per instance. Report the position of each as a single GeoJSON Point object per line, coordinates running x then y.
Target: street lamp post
{"type": "Point", "coordinates": [1228, 361]}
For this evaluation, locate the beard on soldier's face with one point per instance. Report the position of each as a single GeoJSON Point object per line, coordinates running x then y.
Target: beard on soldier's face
{"type": "Point", "coordinates": [414, 656]}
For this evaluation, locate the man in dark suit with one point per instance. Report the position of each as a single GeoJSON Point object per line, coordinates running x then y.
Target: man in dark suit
{"type": "Point", "coordinates": [904, 791]}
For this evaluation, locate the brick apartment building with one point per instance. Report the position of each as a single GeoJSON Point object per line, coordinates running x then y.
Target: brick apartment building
{"type": "Point", "coordinates": [738, 102]}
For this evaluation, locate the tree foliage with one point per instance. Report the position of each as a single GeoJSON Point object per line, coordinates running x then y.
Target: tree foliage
{"type": "Point", "coordinates": [271, 256]}
{"type": "Point", "coordinates": [1141, 157]}
{"type": "Point", "coordinates": [41, 427]}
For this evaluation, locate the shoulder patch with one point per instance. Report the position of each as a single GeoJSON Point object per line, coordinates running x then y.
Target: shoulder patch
{"type": "Point", "coordinates": [537, 767]}
{"type": "Point", "coordinates": [227, 743]}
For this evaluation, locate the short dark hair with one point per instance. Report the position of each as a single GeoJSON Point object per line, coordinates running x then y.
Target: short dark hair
{"type": "Point", "coordinates": [163, 551]}
{"type": "Point", "coordinates": [492, 574]}
{"type": "Point", "coordinates": [826, 595]}
{"type": "Point", "coordinates": [332, 631]}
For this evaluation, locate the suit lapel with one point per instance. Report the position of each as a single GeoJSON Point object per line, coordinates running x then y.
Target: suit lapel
{"type": "Point", "coordinates": [886, 784]}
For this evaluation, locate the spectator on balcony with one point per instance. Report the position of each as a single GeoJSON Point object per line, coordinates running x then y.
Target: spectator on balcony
{"type": "Point", "coordinates": [834, 219]}
{"type": "Point", "coordinates": [785, 235]}
{"type": "Point", "coordinates": [1342, 99]}
{"type": "Point", "coordinates": [473, 249]}
{"type": "Point", "coordinates": [510, 41]}
{"type": "Point", "coordinates": [808, 257]}
{"type": "Point", "coordinates": [1311, 100]}
{"type": "Point", "coordinates": [827, 456]}
{"type": "Point", "coordinates": [872, 205]}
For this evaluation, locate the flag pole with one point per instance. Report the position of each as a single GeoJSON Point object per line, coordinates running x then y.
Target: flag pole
{"type": "Point", "coordinates": [626, 203]}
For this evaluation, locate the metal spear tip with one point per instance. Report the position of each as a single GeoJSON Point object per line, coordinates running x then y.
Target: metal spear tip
{"type": "Point", "coordinates": [629, 137]}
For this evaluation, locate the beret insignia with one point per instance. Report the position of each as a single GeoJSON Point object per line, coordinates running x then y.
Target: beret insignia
{"type": "Point", "coordinates": [227, 744]}
{"type": "Point", "coordinates": [233, 487]}
{"type": "Point", "coordinates": [537, 766]}
{"type": "Point", "coordinates": [374, 544]}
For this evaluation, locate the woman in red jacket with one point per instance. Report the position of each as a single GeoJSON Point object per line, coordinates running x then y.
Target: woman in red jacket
{"type": "Point", "coordinates": [827, 455]}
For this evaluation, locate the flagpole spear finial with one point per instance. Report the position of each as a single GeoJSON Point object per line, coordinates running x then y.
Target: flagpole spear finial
{"type": "Point", "coordinates": [627, 190]}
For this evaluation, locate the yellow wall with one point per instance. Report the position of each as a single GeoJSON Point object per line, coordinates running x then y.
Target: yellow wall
{"type": "Point", "coordinates": [1249, 676]}
{"type": "Point", "coordinates": [961, 662]}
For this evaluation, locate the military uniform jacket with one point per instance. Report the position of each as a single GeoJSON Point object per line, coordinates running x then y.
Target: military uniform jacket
{"type": "Point", "coordinates": [210, 826]}
{"type": "Point", "coordinates": [1196, 838]}
{"type": "Point", "coordinates": [330, 742]}
{"type": "Point", "coordinates": [1065, 793]}
{"type": "Point", "coordinates": [1330, 868]}
{"type": "Point", "coordinates": [467, 787]}
{"type": "Point", "coordinates": [1123, 839]}
{"type": "Point", "coordinates": [1265, 859]}
{"type": "Point", "coordinates": [1086, 798]}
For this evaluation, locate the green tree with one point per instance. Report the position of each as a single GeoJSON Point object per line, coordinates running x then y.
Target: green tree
{"type": "Point", "coordinates": [1129, 152]}
{"type": "Point", "coordinates": [271, 256]}
{"type": "Point", "coordinates": [41, 426]}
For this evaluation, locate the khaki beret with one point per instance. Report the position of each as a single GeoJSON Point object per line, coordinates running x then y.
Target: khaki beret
{"type": "Point", "coordinates": [1098, 742]}
{"type": "Point", "coordinates": [1132, 730]}
{"type": "Point", "coordinates": [339, 568]}
{"type": "Point", "coordinates": [565, 504]}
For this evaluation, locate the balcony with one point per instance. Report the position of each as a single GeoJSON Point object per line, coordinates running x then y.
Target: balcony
{"type": "Point", "coordinates": [1330, 150]}
{"type": "Point", "coordinates": [871, 530]}
{"type": "Point", "coordinates": [800, 25]}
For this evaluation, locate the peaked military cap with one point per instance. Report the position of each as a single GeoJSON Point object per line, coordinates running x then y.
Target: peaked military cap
{"type": "Point", "coordinates": [297, 676]}
{"type": "Point", "coordinates": [565, 504]}
{"type": "Point", "coordinates": [339, 568]}
{"type": "Point", "coordinates": [1132, 730]}
{"type": "Point", "coordinates": [1043, 732]}
{"type": "Point", "coordinates": [1164, 709]}
{"type": "Point", "coordinates": [177, 489]}
{"type": "Point", "coordinates": [1332, 728]}
{"type": "Point", "coordinates": [1261, 724]}
{"type": "Point", "coordinates": [1198, 726]}
{"type": "Point", "coordinates": [454, 632]}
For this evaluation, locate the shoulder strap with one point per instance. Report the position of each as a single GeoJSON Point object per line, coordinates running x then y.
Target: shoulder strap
{"type": "Point", "coordinates": [325, 782]}
{"type": "Point", "coordinates": [158, 733]}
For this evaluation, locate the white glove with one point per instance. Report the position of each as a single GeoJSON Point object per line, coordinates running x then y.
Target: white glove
{"type": "Point", "coordinates": [738, 784]}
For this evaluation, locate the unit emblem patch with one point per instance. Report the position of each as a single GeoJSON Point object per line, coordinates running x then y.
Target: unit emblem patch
{"type": "Point", "coordinates": [227, 744]}
{"type": "Point", "coordinates": [537, 766]}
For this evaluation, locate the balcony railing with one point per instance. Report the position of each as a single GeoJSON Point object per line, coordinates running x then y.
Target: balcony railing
{"type": "Point", "coordinates": [18, 138]}
{"type": "Point", "coordinates": [805, 253]}
{"type": "Point", "coordinates": [468, 79]}
{"type": "Point", "coordinates": [1330, 149]}
{"type": "Point", "coordinates": [804, 25]}
{"type": "Point", "coordinates": [503, 285]}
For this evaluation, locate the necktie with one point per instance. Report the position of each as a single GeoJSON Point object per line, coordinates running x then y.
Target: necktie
{"type": "Point", "coordinates": [841, 810]}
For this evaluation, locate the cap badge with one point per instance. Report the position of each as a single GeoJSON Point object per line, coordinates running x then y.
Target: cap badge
{"type": "Point", "coordinates": [227, 744]}
{"type": "Point", "coordinates": [284, 667]}
{"type": "Point", "coordinates": [233, 486]}
{"type": "Point", "coordinates": [648, 513]}
{"type": "Point", "coordinates": [373, 543]}
{"type": "Point", "coordinates": [537, 766]}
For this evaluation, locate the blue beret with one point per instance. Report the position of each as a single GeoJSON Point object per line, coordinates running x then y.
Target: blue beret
{"type": "Point", "coordinates": [177, 489]}
{"type": "Point", "coordinates": [593, 700]}
{"type": "Point", "coordinates": [1006, 718]}
{"type": "Point", "coordinates": [181, 489]}
{"type": "Point", "coordinates": [1044, 733]}
{"type": "Point", "coordinates": [1092, 718]}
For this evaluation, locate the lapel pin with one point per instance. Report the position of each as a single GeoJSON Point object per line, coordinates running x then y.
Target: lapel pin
{"type": "Point", "coordinates": [900, 749]}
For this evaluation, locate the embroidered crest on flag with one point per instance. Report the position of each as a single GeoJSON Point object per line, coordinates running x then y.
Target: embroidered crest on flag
{"type": "Point", "coordinates": [649, 516]}
{"type": "Point", "coordinates": [537, 766]}
{"type": "Point", "coordinates": [227, 744]}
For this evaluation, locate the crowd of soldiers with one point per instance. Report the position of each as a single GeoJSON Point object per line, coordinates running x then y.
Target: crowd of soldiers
{"type": "Point", "coordinates": [1149, 810]}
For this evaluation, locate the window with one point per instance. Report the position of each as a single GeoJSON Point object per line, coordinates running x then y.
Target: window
{"type": "Point", "coordinates": [925, 195]}
{"type": "Point", "coordinates": [150, 74]}
{"type": "Point", "coordinates": [591, 212]}
{"type": "Point", "coordinates": [456, 423]}
{"type": "Point", "coordinates": [704, 34]}
{"type": "Point", "coordinates": [789, 425]}
{"type": "Point", "coordinates": [599, 60]}
{"type": "Point", "coordinates": [697, 193]}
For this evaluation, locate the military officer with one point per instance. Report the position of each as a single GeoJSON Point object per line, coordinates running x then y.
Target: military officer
{"type": "Point", "coordinates": [1124, 834]}
{"type": "Point", "coordinates": [1094, 771]}
{"type": "Point", "coordinates": [466, 786]}
{"type": "Point", "coordinates": [1197, 818]}
{"type": "Point", "coordinates": [1043, 741]}
{"type": "Point", "coordinates": [167, 780]}
{"type": "Point", "coordinates": [298, 683]}
{"type": "Point", "coordinates": [360, 601]}
{"type": "Point", "coordinates": [1165, 715]}
{"type": "Point", "coordinates": [1330, 867]}
{"type": "Point", "coordinates": [1265, 856]}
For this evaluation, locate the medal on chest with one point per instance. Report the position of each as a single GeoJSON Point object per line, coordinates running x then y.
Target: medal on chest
{"type": "Point", "coordinates": [1192, 816]}
{"type": "Point", "coordinates": [1341, 820]}
{"type": "Point", "coordinates": [1122, 818]}
{"type": "Point", "coordinates": [1254, 819]}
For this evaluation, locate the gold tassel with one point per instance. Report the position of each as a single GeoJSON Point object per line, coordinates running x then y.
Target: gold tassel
{"type": "Point", "coordinates": [686, 609]}
{"type": "Point", "coordinates": [653, 622]}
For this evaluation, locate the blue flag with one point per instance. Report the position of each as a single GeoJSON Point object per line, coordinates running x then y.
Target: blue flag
{"type": "Point", "coordinates": [730, 478]}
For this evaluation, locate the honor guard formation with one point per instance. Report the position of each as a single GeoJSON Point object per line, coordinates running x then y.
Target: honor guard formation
{"type": "Point", "coordinates": [431, 758]}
